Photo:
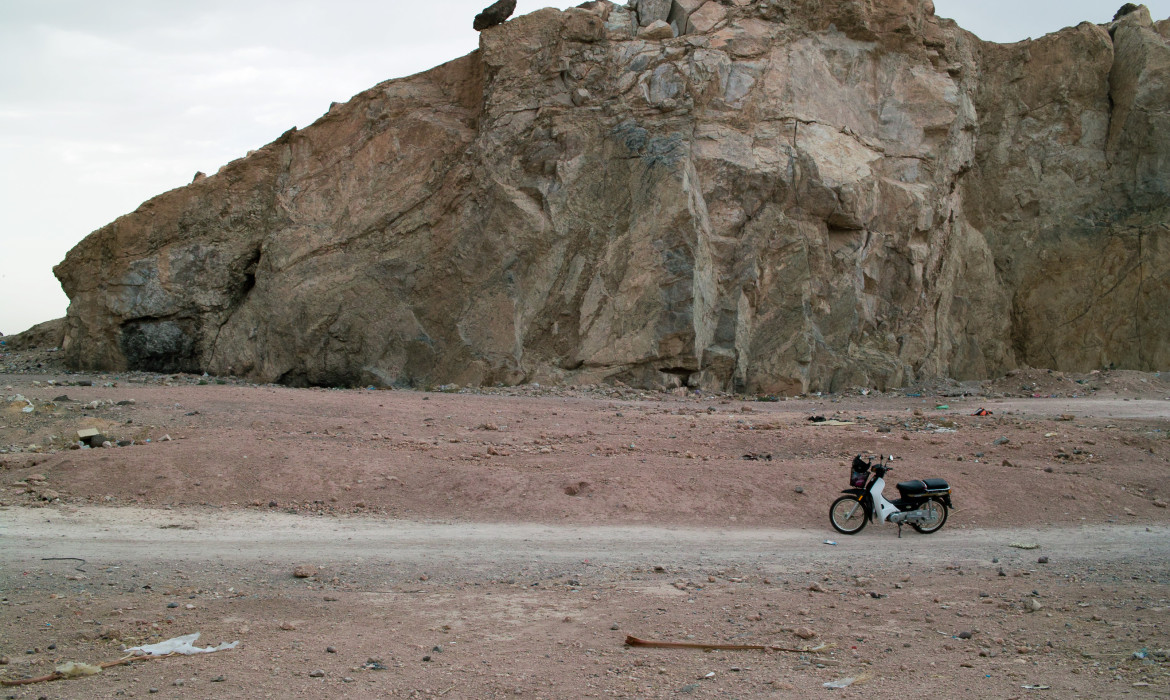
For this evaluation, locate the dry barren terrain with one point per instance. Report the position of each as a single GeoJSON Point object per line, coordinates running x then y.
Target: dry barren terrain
{"type": "Point", "coordinates": [503, 543]}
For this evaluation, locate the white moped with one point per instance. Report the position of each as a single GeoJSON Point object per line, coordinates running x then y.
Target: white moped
{"type": "Point", "coordinates": [923, 504]}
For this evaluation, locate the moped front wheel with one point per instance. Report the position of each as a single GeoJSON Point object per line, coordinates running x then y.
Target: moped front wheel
{"type": "Point", "coordinates": [936, 517]}
{"type": "Point", "coordinates": [847, 515]}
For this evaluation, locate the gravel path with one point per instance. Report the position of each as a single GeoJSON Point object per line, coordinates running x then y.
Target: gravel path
{"type": "Point", "coordinates": [137, 536]}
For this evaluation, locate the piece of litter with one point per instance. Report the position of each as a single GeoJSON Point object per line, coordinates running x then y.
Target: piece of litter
{"type": "Point", "coordinates": [1036, 687]}
{"type": "Point", "coordinates": [843, 683]}
{"type": "Point", "coordinates": [75, 669]}
{"type": "Point", "coordinates": [710, 675]}
{"type": "Point", "coordinates": [1051, 434]}
{"type": "Point", "coordinates": [180, 645]}
{"type": "Point", "coordinates": [942, 407]}
{"type": "Point", "coordinates": [1024, 545]}
{"type": "Point", "coordinates": [831, 542]}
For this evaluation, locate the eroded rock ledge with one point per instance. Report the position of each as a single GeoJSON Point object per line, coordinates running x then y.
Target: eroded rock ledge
{"type": "Point", "coordinates": [769, 196]}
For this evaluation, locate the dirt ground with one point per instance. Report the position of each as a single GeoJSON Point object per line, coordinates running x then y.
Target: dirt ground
{"type": "Point", "coordinates": [503, 543]}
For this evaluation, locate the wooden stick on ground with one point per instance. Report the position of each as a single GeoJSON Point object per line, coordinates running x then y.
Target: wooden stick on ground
{"type": "Point", "coordinates": [635, 642]}
{"type": "Point", "coordinates": [55, 676]}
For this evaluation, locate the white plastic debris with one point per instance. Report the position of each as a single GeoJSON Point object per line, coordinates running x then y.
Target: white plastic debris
{"type": "Point", "coordinates": [843, 683]}
{"type": "Point", "coordinates": [180, 645]}
{"type": "Point", "coordinates": [76, 669]}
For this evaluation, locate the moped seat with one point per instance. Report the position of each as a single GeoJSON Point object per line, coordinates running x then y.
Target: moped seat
{"type": "Point", "coordinates": [920, 487]}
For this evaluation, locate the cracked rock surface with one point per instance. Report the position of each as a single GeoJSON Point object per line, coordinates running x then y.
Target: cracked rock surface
{"type": "Point", "coordinates": [781, 196]}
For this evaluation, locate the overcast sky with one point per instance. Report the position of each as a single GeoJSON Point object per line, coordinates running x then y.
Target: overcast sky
{"type": "Point", "coordinates": [106, 103]}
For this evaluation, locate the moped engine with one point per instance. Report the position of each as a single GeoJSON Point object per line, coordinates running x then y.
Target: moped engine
{"type": "Point", "coordinates": [910, 516]}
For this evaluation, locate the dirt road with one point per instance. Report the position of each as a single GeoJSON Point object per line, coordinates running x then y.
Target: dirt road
{"type": "Point", "coordinates": [136, 537]}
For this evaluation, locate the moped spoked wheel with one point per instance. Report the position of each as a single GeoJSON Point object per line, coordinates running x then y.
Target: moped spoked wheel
{"type": "Point", "coordinates": [847, 515]}
{"type": "Point", "coordinates": [936, 512]}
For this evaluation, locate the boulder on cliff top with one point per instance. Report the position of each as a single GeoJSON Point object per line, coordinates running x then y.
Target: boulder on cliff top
{"type": "Point", "coordinates": [495, 14]}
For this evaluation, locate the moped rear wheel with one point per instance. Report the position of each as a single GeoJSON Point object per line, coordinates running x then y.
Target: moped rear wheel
{"type": "Point", "coordinates": [936, 517]}
{"type": "Point", "coordinates": [847, 515]}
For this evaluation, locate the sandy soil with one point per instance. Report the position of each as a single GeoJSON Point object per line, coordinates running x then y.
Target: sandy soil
{"type": "Point", "coordinates": [504, 543]}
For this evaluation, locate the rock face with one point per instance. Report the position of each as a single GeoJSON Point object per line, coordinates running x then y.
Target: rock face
{"type": "Point", "coordinates": [49, 334]}
{"type": "Point", "coordinates": [1072, 183]}
{"type": "Point", "coordinates": [788, 196]}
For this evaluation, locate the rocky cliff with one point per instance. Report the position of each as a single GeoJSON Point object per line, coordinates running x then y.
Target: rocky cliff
{"type": "Point", "coordinates": [763, 196]}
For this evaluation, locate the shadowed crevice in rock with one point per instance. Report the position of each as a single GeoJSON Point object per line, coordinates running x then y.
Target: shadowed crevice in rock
{"type": "Point", "coordinates": [161, 345]}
